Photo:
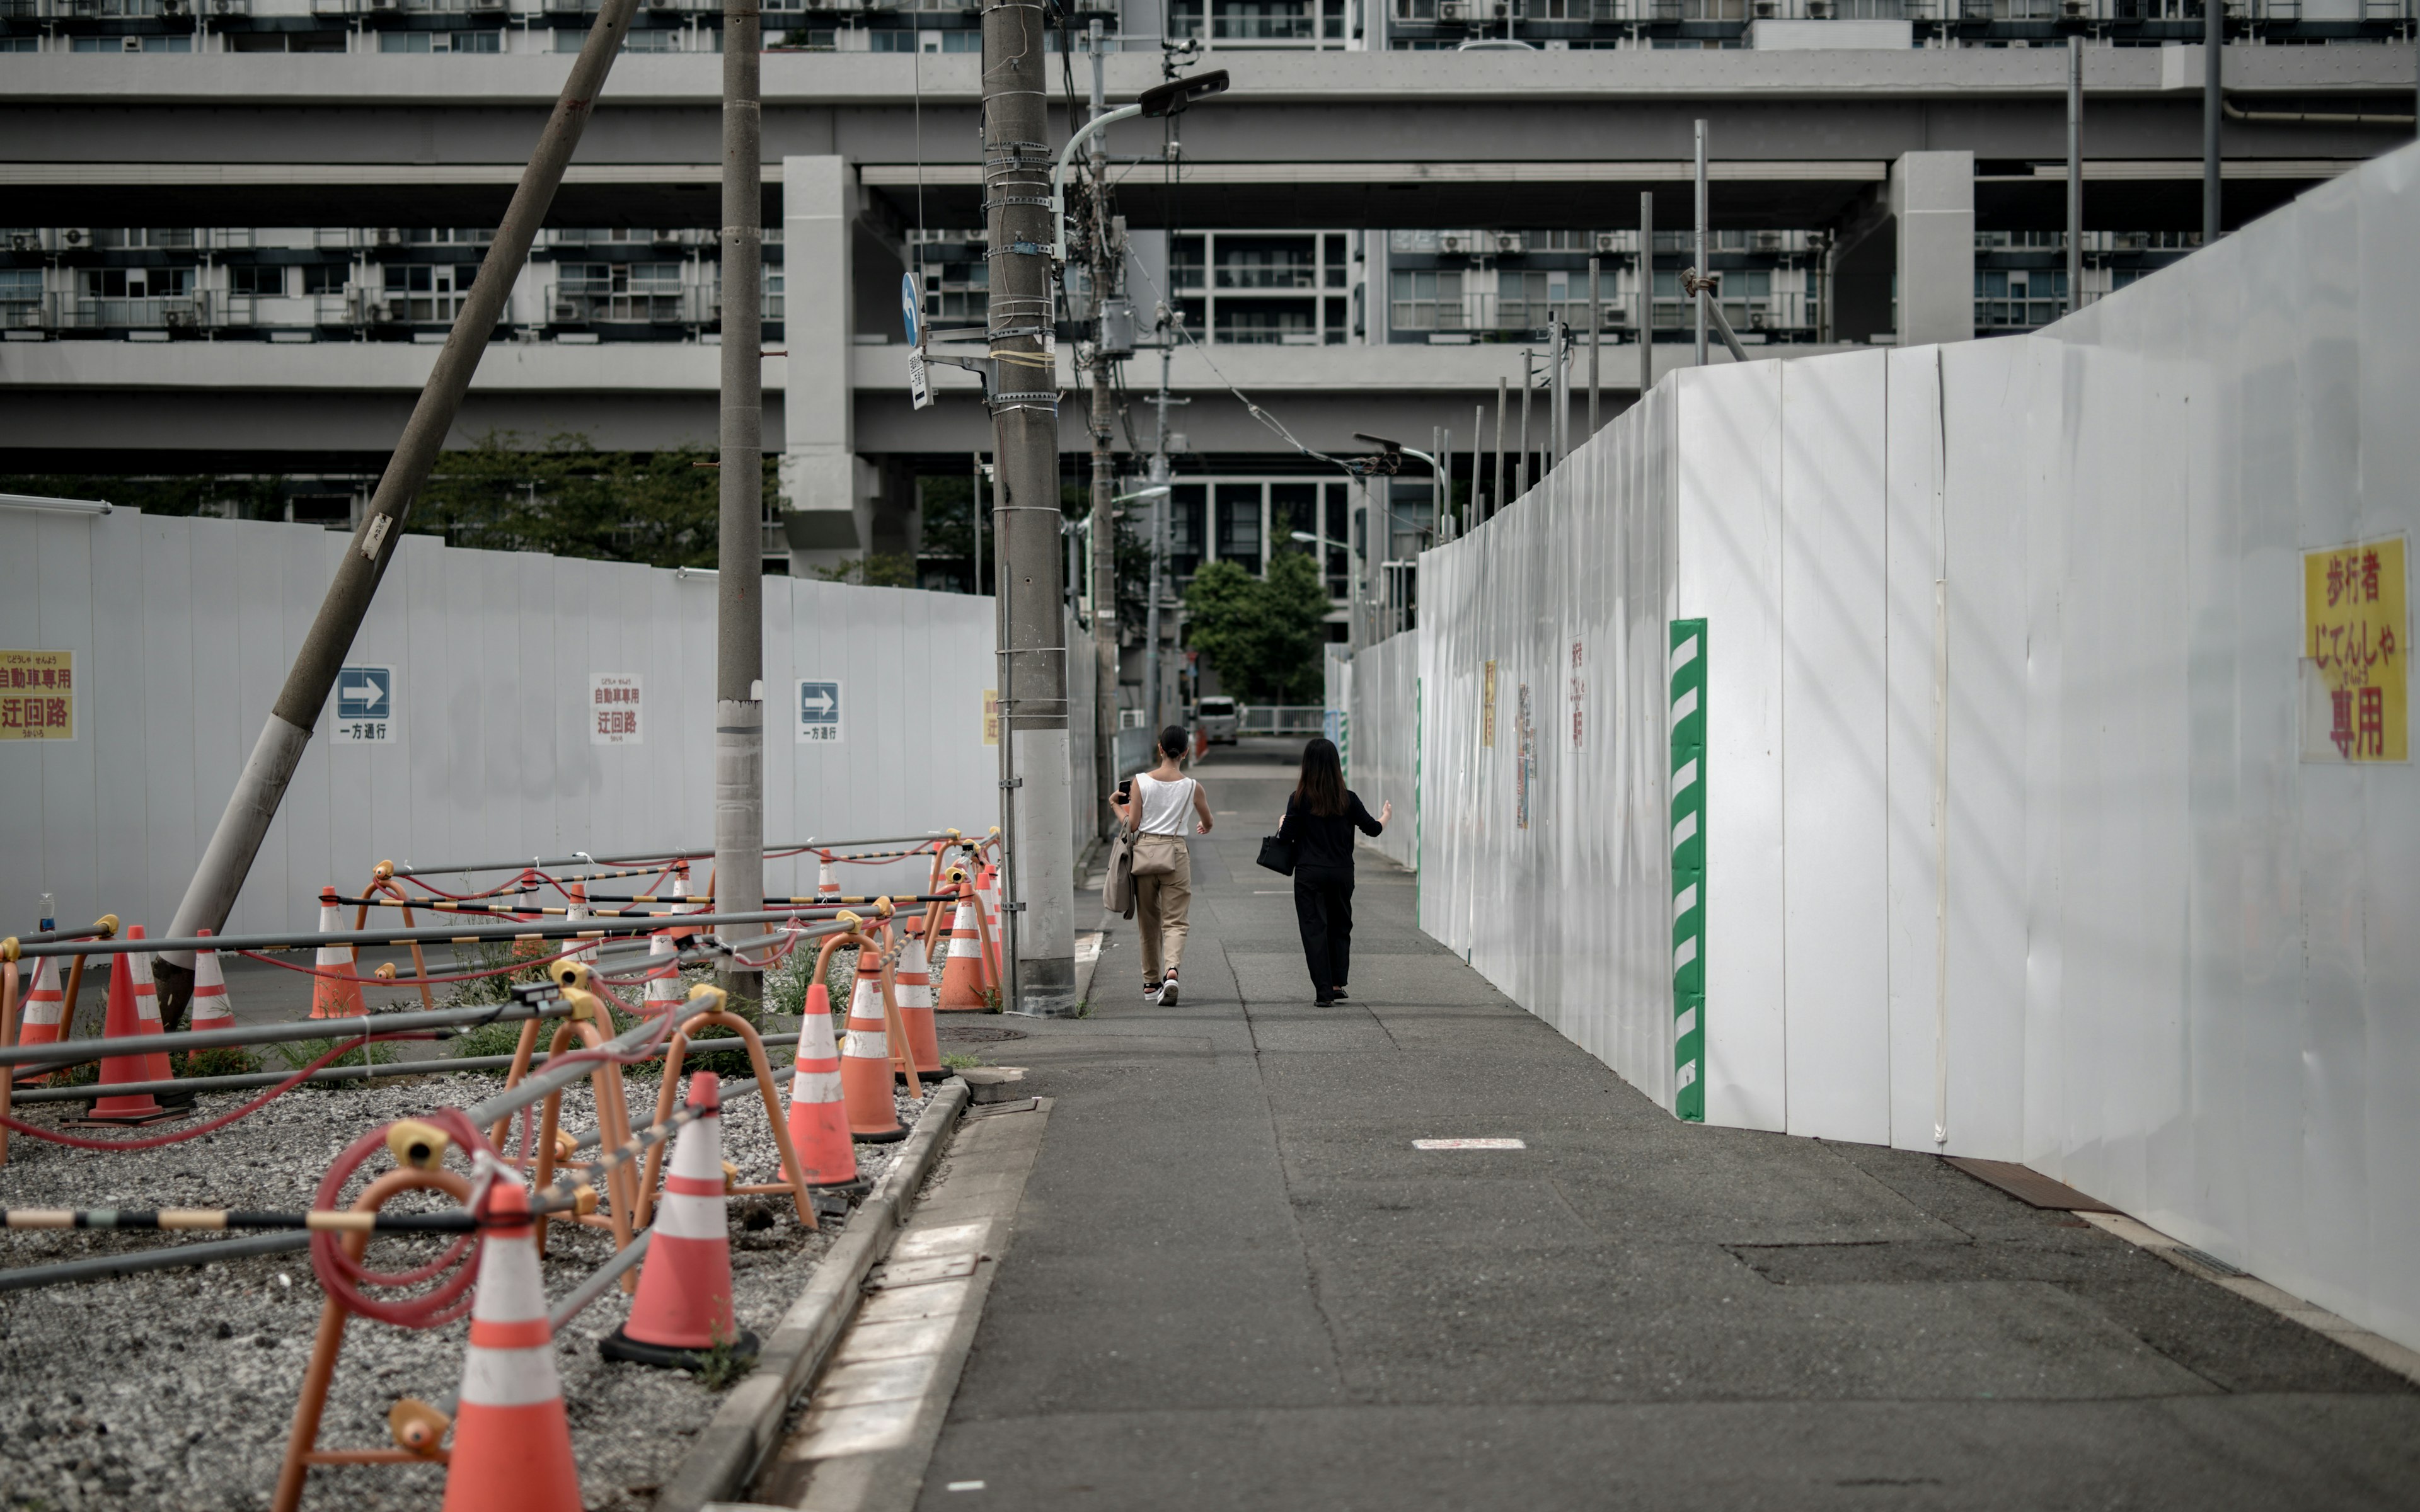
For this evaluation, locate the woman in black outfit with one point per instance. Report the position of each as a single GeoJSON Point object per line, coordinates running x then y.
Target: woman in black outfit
{"type": "Point", "coordinates": [1319, 818]}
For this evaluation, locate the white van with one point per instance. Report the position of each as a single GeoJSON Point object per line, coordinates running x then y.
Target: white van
{"type": "Point", "coordinates": [1216, 719]}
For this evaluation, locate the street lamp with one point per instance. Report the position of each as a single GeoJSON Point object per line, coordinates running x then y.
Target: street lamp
{"type": "Point", "coordinates": [1169, 99]}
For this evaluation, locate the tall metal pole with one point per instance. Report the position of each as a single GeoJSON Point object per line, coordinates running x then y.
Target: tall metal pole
{"type": "Point", "coordinates": [1478, 433]}
{"type": "Point", "coordinates": [2074, 174]}
{"type": "Point", "coordinates": [2214, 49]}
{"type": "Point", "coordinates": [1445, 470]}
{"type": "Point", "coordinates": [1038, 900]}
{"type": "Point", "coordinates": [1436, 481]}
{"type": "Point", "coordinates": [1646, 293]}
{"type": "Point", "coordinates": [1559, 393]}
{"type": "Point", "coordinates": [1152, 695]}
{"type": "Point", "coordinates": [1597, 325]}
{"type": "Point", "coordinates": [739, 585]}
{"type": "Point", "coordinates": [975, 521]}
{"type": "Point", "coordinates": [1496, 500]}
{"type": "Point", "coordinates": [1105, 516]}
{"type": "Point", "coordinates": [1521, 452]}
{"type": "Point", "coordinates": [260, 787]}
{"type": "Point", "coordinates": [1700, 256]}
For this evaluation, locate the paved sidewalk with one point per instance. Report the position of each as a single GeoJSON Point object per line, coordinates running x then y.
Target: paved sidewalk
{"type": "Point", "coordinates": [1235, 1283]}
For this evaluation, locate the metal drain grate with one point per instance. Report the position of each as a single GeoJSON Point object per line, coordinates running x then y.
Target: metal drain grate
{"type": "Point", "coordinates": [2209, 1262]}
{"type": "Point", "coordinates": [977, 1033]}
{"type": "Point", "coordinates": [2029, 1185]}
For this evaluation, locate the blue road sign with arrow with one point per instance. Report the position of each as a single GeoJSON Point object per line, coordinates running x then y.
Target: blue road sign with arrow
{"type": "Point", "coordinates": [819, 711]}
{"type": "Point", "coordinates": [366, 705]}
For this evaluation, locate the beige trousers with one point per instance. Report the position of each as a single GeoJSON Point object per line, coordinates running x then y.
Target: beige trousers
{"type": "Point", "coordinates": [1160, 905]}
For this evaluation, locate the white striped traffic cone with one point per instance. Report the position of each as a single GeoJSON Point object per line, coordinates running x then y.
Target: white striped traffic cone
{"type": "Point", "coordinates": [146, 1006]}
{"type": "Point", "coordinates": [336, 991]}
{"type": "Point", "coordinates": [987, 892]}
{"type": "Point", "coordinates": [827, 884]}
{"type": "Point", "coordinates": [512, 1441]}
{"type": "Point", "coordinates": [664, 992]}
{"type": "Point", "coordinates": [45, 1008]}
{"type": "Point", "coordinates": [679, 900]}
{"type": "Point", "coordinates": [211, 1009]}
{"type": "Point", "coordinates": [865, 1059]}
{"type": "Point", "coordinates": [584, 953]}
{"type": "Point", "coordinates": [962, 968]}
{"type": "Point", "coordinates": [818, 1115]}
{"type": "Point", "coordinates": [913, 983]}
{"type": "Point", "coordinates": [683, 1307]}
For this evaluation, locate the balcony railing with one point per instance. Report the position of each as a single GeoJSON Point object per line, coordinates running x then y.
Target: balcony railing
{"type": "Point", "coordinates": [188, 312]}
{"type": "Point", "coordinates": [575, 308]}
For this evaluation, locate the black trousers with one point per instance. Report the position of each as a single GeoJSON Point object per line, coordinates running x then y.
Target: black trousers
{"type": "Point", "coordinates": [1323, 905]}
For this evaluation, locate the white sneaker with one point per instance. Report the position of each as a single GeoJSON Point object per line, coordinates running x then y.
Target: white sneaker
{"type": "Point", "coordinates": [1168, 992]}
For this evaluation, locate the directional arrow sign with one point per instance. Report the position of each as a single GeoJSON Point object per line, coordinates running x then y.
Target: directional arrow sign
{"type": "Point", "coordinates": [911, 301]}
{"type": "Point", "coordinates": [818, 712]}
{"type": "Point", "coordinates": [365, 711]}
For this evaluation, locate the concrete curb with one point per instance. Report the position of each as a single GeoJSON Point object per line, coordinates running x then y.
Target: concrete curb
{"type": "Point", "coordinates": [1085, 972]}
{"type": "Point", "coordinates": [749, 1424]}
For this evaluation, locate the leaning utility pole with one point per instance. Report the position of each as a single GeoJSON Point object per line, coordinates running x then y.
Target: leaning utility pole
{"type": "Point", "coordinates": [1104, 509]}
{"type": "Point", "coordinates": [260, 787]}
{"type": "Point", "coordinates": [1038, 903]}
{"type": "Point", "coordinates": [739, 583]}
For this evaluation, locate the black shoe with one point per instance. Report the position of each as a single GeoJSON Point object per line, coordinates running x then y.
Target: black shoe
{"type": "Point", "coordinates": [1323, 1002]}
{"type": "Point", "coordinates": [1339, 995]}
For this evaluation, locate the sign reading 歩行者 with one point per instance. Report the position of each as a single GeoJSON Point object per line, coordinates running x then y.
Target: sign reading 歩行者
{"type": "Point", "coordinates": [818, 710]}
{"type": "Point", "coordinates": [366, 714]}
{"type": "Point", "coordinates": [615, 702]}
{"type": "Point", "coordinates": [2355, 630]}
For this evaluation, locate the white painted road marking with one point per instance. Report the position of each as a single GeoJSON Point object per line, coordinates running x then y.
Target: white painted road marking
{"type": "Point", "coordinates": [1468, 1144]}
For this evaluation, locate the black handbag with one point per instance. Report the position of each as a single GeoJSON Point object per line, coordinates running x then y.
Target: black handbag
{"type": "Point", "coordinates": [1277, 854]}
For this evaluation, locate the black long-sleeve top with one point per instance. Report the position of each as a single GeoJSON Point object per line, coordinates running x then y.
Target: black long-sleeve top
{"type": "Point", "coordinates": [1324, 841]}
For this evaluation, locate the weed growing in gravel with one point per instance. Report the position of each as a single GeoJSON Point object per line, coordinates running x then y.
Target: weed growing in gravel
{"type": "Point", "coordinates": [721, 1366]}
{"type": "Point", "coordinates": [226, 1061]}
{"type": "Point", "coordinates": [960, 1062]}
{"type": "Point", "coordinates": [488, 955]}
{"type": "Point", "coordinates": [499, 1039]}
{"type": "Point", "coordinates": [298, 1053]}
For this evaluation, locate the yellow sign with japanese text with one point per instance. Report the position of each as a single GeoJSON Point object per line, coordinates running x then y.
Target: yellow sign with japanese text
{"type": "Point", "coordinates": [1487, 704]}
{"type": "Point", "coordinates": [2354, 635]}
{"type": "Point", "coordinates": [991, 717]}
{"type": "Point", "coordinates": [37, 695]}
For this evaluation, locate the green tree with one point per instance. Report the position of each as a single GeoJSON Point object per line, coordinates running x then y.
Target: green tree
{"type": "Point", "coordinates": [568, 499]}
{"type": "Point", "coordinates": [1261, 634]}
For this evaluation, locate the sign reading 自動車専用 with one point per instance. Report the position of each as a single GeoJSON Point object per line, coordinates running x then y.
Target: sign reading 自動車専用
{"type": "Point", "coordinates": [616, 709]}
{"type": "Point", "coordinates": [2356, 641]}
{"type": "Point", "coordinates": [37, 695]}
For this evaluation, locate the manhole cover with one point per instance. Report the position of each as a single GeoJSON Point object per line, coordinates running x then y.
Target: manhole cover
{"type": "Point", "coordinates": [977, 1034]}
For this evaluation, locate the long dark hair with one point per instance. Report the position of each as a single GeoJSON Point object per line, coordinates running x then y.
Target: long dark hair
{"type": "Point", "coordinates": [1173, 740]}
{"type": "Point", "coordinates": [1321, 788]}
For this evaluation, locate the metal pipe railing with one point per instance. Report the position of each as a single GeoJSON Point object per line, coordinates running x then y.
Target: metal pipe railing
{"type": "Point", "coordinates": [563, 930]}
{"type": "Point", "coordinates": [245, 1081]}
{"type": "Point", "coordinates": [541, 863]}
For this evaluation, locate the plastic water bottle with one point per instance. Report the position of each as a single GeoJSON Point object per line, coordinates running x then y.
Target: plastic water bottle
{"type": "Point", "coordinates": [49, 913]}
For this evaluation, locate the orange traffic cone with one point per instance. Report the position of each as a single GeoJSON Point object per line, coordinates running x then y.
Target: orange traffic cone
{"type": "Point", "coordinates": [679, 896]}
{"type": "Point", "coordinates": [134, 1008]}
{"type": "Point", "coordinates": [818, 1115]}
{"type": "Point", "coordinates": [336, 991]}
{"type": "Point", "coordinates": [211, 1008]}
{"type": "Point", "coordinates": [684, 1303]}
{"type": "Point", "coordinates": [45, 1008]}
{"type": "Point", "coordinates": [583, 953]}
{"type": "Point", "coordinates": [865, 1059]}
{"type": "Point", "coordinates": [827, 884]}
{"type": "Point", "coordinates": [962, 969]}
{"type": "Point", "coordinates": [512, 1444]}
{"type": "Point", "coordinates": [913, 985]}
{"type": "Point", "coordinates": [664, 990]}
{"type": "Point", "coordinates": [987, 892]}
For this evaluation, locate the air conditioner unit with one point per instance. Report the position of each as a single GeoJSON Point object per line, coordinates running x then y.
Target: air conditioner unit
{"type": "Point", "coordinates": [175, 8]}
{"type": "Point", "coordinates": [1452, 244]}
{"type": "Point", "coordinates": [130, 44]}
{"type": "Point", "coordinates": [1608, 241]}
{"type": "Point", "coordinates": [1509, 244]}
{"type": "Point", "coordinates": [75, 238]}
{"type": "Point", "coordinates": [2071, 10]}
{"type": "Point", "coordinates": [1767, 10]}
{"type": "Point", "coordinates": [1819, 10]}
{"type": "Point", "coordinates": [1454, 11]}
{"type": "Point", "coordinates": [387, 236]}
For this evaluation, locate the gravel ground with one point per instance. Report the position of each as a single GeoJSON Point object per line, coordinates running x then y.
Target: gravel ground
{"type": "Point", "coordinates": [176, 1389]}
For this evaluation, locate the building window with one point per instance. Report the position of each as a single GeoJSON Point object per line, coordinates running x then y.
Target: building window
{"type": "Point", "coordinates": [1427, 300]}
{"type": "Point", "coordinates": [261, 282]}
{"type": "Point", "coordinates": [427, 293]}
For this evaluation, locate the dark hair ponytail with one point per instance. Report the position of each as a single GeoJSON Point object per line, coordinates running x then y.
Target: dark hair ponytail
{"type": "Point", "coordinates": [1320, 789]}
{"type": "Point", "coordinates": [1173, 740]}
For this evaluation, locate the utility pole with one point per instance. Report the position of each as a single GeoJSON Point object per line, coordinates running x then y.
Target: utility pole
{"type": "Point", "coordinates": [739, 584]}
{"type": "Point", "coordinates": [1559, 393]}
{"type": "Point", "coordinates": [2213, 48]}
{"type": "Point", "coordinates": [260, 787]}
{"type": "Point", "coordinates": [1496, 501]}
{"type": "Point", "coordinates": [2074, 174]}
{"type": "Point", "coordinates": [1161, 502]}
{"type": "Point", "coordinates": [1597, 325]}
{"type": "Point", "coordinates": [1037, 903]}
{"type": "Point", "coordinates": [1703, 271]}
{"type": "Point", "coordinates": [1106, 253]}
{"type": "Point", "coordinates": [1521, 452]}
{"type": "Point", "coordinates": [1646, 293]}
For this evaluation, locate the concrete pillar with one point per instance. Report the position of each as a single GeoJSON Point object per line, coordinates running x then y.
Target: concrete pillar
{"type": "Point", "coordinates": [825, 491]}
{"type": "Point", "coordinates": [1933, 199]}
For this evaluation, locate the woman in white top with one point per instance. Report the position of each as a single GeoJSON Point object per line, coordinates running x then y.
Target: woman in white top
{"type": "Point", "coordinates": [1152, 809]}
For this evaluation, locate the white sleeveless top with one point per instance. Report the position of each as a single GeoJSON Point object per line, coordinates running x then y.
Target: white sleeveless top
{"type": "Point", "coordinates": [1163, 804]}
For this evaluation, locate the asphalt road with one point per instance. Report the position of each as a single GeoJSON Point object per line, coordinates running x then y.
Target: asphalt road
{"type": "Point", "coordinates": [1234, 1282]}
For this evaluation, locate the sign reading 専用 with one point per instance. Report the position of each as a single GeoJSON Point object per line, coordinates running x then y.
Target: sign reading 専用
{"type": "Point", "coordinates": [2355, 632]}
{"type": "Point", "coordinates": [615, 702]}
{"type": "Point", "coordinates": [37, 695]}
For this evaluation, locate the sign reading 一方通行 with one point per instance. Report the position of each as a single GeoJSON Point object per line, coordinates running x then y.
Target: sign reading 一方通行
{"type": "Point", "coordinates": [818, 710]}
{"type": "Point", "coordinates": [365, 711]}
{"type": "Point", "coordinates": [615, 701]}
{"type": "Point", "coordinates": [37, 695]}
{"type": "Point", "coordinates": [2355, 632]}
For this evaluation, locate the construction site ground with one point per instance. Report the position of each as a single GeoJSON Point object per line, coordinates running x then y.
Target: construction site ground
{"type": "Point", "coordinates": [1234, 1282]}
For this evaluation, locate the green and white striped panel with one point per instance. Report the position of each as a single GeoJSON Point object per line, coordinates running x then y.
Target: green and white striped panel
{"type": "Point", "coordinates": [1687, 673]}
